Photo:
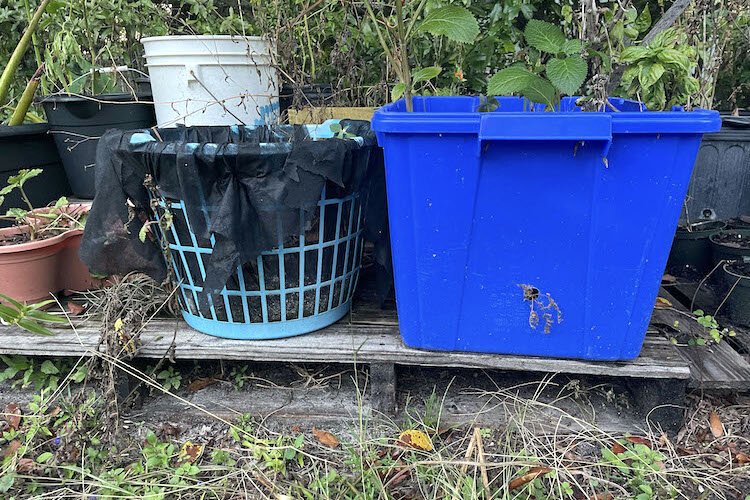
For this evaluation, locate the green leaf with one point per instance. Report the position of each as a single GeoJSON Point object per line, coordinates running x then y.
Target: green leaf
{"type": "Point", "coordinates": [541, 91]}
{"type": "Point", "coordinates": [643, 22]}
{"type": "Point", "coordinates": [16, 213]}
{"type": "Point", "coordinates": [544, 36]}
{"type": "Point", "coordinates": [634, 53]}
{"type": "Point", "coordinates": [6, 481]}
{"type": "Point", "coordinates": [426, 74]}
{"type": "Point", "coordinates": [571, 47]}
{"type": "Point", "coordinates": [631, 33]}
{"type": "Point", "coordinates": [567, 74]}
{"type": "Point", "coordinates": [44, 457]}
{"type": "Point", "coordinates": [143, 232]}
{"type": "Point", "coordinates": [61, 202]}
{"type": "Point", "coordinates": [452, 21]}
{"type": "Point", "coordinates": [49, 368]}
{"type": "Point", "coordinates": [336, 128]}
{"type": "Point", "coordinates": [510, 80]}
{"type": "Point", "coordinates": [649, 74]}
{"type": "Point", "coordinates": [33, 327]}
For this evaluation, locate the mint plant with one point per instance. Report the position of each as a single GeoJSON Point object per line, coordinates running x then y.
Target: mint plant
{"type": "Point", "coordinates": [560, 69]}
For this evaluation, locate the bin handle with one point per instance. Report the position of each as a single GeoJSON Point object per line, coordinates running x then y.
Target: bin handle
{"type": "Point", "coordinates": [552, 126]}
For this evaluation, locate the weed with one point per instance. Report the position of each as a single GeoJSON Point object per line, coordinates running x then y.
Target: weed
{"type": "Point", "coordinates": [170, 378]}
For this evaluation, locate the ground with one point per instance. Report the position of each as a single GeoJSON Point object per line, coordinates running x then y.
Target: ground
{"type": "Point", "coordinates": [309, 431]}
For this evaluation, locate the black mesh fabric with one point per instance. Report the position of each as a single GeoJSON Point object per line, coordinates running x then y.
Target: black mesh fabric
{"type": "Point", "coordinates": [233, 181]}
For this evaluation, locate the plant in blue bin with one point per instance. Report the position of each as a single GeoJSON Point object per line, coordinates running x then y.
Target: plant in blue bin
{"type": "Point", "coordinates": [395, 25]}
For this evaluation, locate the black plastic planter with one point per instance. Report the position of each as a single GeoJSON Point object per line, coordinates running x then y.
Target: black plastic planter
{"type": "Point", "coordinates": [730, 245]}
{"type": "Point", "coordinates": [307, 95]}
{"type": "Point", "coordinates": [691, 250]}
{"type": "Point", "coordinates": [30, 146]}
{"type": "Point", "coordinates": [721, 176]}
{"type": "Point", "coordinates": [736, 278]}
{"type": "Point", "coordinates": [76, 124]}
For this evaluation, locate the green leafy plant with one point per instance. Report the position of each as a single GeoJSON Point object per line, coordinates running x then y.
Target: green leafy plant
{"type": "Point", "coordinates": [170, 378]}
{"type": "Point", "coordinates": [660, 73]}
{"type": "Point", "coordinates": [30, 317]}
{"type": "Point", "coordinates": [715, 332]}
{"type": "Point", "coordinates": [451, 21]}
{"type": "Point", "coordinates": [40, 223]}
{"type": "Point", "coordinates": [560, 69]}
{"type": "Point", "coordinates": [41, 374]}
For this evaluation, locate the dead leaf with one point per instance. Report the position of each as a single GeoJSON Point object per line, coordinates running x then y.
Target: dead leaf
{"type": "Point", "coordinates": [400, 476]}
{"type": "Point", "coordinates": [325, 437]}
{"type": "Point", "coordinates": [717, 429]}
{"type": "Point", "coordinates": [168, 430]}
{"type": "Point", "coordinates": [295, 429]}
{"type": "Point", "coordinates": [742, 458]}
{"type": "Point", "coordinates": [75, 309]}
{"type": "Point", "coordinates": [533, 473]}
{"type": "Point", "coordinates": [668, 278]}
{"type": "Point", "coordinates": [662, 303]}
{"type": "Point", "coordinates": [13, 415]}
{"type": "Point", "coordinates": [25, 465]}
{"type": "Point", "coordinates": [12, 448]}
{"type": "Point", "coordinates": [617, 448]}
{"type": "Point", "coordinates": [190, 452]}
{"type": "Point", "coordinates": [639, 440]}
{"type": "Point", "coordinates": [55, 412]}
{"type": "Point", "coordinates": [415, 439]}
{"type": "Point", "coordinates": [200, 383]}
{"type": "Point", "coordinates": [603, 496]}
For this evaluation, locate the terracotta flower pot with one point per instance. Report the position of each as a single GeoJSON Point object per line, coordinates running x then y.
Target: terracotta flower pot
{"type": "Point", "coordinates": [30, 271]}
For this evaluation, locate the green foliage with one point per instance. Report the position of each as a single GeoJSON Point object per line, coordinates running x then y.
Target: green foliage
{"type": "Point", "coordinates": [452, 21]}
{"type": "Point", "coordinates": [660, 73]}
{"type": "Point", "coordinates": [563, 68]}
{"type": "Point", "coordinates": [715, 333]}
{"type": "Point", "coordinates": [30, 317]}
{"type": "Point", "coordinates": [170, 378]}
{"type": "Point", "coordinates": [637, 469]}
{"type": "Point", "coordinates": [42, 375]}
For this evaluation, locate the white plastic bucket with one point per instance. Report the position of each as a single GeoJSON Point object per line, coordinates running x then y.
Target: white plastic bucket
{"type": "Point", "coordinates": [212, 80]}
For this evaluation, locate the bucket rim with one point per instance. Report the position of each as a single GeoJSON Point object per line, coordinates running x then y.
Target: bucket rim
{"type": "Point", "coordinates": [166, 38]}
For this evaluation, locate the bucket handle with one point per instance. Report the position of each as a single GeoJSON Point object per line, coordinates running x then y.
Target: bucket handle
{"type": "Point", "coordinates": [552, 126]}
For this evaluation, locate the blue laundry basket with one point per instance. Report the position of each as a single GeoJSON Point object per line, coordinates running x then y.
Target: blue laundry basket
{"type": "Point", "coordinates": [533, 233]}
{"type": "Point", "coordinates": [288, 290]}
{"type": "Point", "coordinates": [303, 282]}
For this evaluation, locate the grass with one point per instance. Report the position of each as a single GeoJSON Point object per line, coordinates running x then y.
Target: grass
{"type": "Point", "coordinates": [58, 449]}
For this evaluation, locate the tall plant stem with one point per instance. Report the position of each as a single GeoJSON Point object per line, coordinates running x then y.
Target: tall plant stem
{"type": "Point", "coordinates": [15, 59]}
{"type": "Point", "coordinates": [404, 56]}
{"type": "Point", "coordinates": [22, 107]}
{"type": "Point", "coordinates": [91, 47]}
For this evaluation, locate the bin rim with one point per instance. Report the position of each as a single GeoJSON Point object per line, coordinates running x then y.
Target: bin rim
{"type": "Point", "coordinates": [392, 118]}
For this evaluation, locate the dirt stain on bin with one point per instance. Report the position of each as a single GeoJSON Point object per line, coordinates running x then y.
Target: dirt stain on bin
{"type": "Point", "coordinates": [542, 307]}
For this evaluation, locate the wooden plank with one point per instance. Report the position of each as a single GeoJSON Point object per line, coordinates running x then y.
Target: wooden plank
{"type": "Point", "coordinates": [319, 115]}
{"type": "Point", "coordinates": [340, 343]}
{"type": "Point", "coordinates": [717, 366]}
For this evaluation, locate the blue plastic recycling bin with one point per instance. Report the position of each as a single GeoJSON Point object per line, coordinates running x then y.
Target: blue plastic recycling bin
{"type": "Point", "coordinates": [533, 233]}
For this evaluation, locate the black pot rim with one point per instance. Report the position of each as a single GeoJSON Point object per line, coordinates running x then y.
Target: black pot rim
{"type": "Point", "coordinates": [27, 129]}
{"type": "Point", "coordinates": [741, 232]}
{"type": "Point", "coordinates": [70, 98]}
{"type": "Point", "coordinates": [732, 273]}
{"type": "Point", "coordinates": [720, 225]}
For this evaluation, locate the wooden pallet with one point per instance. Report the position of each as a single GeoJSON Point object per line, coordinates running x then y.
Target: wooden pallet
{"type": "Point", "coordinates": [370, 335]}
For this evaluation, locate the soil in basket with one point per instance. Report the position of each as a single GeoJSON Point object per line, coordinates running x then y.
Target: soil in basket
{"type": "Point", "coordinates": [733, 240]}
{"type": "Point", "coordinates": [291, 265]}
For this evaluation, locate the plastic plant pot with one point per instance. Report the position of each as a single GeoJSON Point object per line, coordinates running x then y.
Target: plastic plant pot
{"type": "Point", "coordinates": [730, 245]}
{"type": "Point", "coordinates": [30, 271]}
{"type": "Point", "coordinates": [512, 231]}
{"type": "Point", "coordinates": [316, 94]}
{"type": "Point", "coordinates": [736, 278]}
{"type": "Point", "coordinates": [76, 123]}
{"type": "Point", "coordinates": [30, 146]}
{"type": "Point", "coordinates": [691, 250]}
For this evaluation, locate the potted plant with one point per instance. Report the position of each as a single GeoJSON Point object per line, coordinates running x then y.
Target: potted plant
{"type": "Point", "coordinates": [88, 86]}
{"type": "Point", "coordinates": [730, 245]}
{"type": "Point", "coordinates": [39, 254]}
{"type": "Point", "coordinates": [24, 145]}
{"type": "Point", "coordinates": [736, 278]}
{"type": "Point", "coordinates": [512, 217]}
{"type": "Point", "coordinates": [690, 254]}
